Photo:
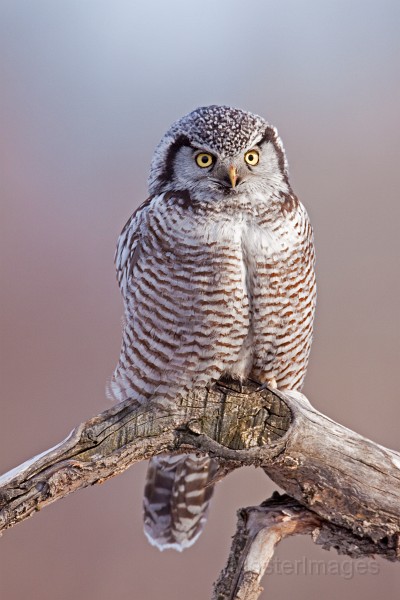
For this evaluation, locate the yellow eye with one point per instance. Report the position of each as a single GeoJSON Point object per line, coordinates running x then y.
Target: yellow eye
{"type": "Point", "coordinates": [204, 159]}
{"type": "Point", "coordinates": [252, 157]}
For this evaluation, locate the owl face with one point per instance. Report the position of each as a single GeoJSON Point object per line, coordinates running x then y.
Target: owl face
{"type": "Point", "coordinates": [217, 151]}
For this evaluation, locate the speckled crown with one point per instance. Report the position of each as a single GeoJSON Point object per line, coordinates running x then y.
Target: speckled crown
{"type": "Point", "coordinates": [222, 128]}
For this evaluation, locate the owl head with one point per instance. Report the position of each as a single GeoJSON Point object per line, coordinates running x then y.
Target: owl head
{"type": "Point", "coordinates": [218, 151]}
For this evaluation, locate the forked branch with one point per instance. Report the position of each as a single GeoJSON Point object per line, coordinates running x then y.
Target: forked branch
{"type": "Point", "coordinates": [347, 488]}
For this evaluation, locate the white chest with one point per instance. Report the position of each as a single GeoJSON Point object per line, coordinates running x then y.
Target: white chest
{"type": "Point", "coordinates": [253, 241]}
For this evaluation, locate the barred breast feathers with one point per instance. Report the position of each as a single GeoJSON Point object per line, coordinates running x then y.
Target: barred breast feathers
{"type": "Point", "coordinates": [228, 255]}
{"type": "Point", "coordinates": [185, 307]}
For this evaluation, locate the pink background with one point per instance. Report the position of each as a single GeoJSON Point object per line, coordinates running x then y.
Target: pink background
{"type": "Point", "coordinates": [87, 90]}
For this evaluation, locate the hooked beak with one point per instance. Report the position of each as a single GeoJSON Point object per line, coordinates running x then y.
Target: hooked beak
{"type": "Point", "coordinates": [232, 175]}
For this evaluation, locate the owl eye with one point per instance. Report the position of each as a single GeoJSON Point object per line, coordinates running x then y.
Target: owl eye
{"type": "Point", "coordinates": [204, 159]}
{"type": "Point", "coordinates": [252, 157]}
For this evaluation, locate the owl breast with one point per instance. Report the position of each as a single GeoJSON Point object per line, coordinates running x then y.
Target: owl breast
{"type": "Point", "coordinates": [215, 292]}
{"type": "Point", "coordinates": [278, 255]}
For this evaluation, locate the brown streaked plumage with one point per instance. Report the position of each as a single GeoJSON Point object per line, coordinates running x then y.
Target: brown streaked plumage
{"type": "Point", "coordinates": [217, 273]}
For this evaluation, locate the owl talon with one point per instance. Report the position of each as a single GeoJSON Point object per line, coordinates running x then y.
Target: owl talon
{"type": "Point", "coordinates": [269, 383]}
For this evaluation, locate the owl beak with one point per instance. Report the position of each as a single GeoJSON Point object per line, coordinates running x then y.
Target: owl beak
{"type": "Point", "coordinates": [232, 175]}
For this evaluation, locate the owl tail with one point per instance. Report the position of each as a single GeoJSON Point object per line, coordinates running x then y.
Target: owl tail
{"type": "Point", "coordinates": [176, 499]}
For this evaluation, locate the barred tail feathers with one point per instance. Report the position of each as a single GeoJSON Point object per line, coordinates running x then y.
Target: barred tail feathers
{"type": "Point", "coordinates": [176, 499]}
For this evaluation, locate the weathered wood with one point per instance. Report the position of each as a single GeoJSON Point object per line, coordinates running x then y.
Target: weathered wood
{"type": "Point", "coordinates": [261, 528]}
{"type": "Point", "coordinates": [344, 479]}
{"type": "Point", "coordinates": [259, 531]}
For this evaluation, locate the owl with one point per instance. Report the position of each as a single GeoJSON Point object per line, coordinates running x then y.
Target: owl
{"type": "Point", "coordinates": [216, 270]}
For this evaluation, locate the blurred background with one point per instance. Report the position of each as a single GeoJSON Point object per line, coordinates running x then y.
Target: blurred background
{"type": "Point", "coordinates": [87, 90]}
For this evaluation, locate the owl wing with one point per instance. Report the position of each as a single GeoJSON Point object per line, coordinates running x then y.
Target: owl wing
{"type": "Point", "coordinates": [127, 250]}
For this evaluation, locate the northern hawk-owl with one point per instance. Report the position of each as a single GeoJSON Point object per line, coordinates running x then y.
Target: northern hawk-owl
{"type": "Point", "coordinates": [216, 269]}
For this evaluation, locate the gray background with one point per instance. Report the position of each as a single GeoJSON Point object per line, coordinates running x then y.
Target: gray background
{"type": "Point", "coordinates": [87, 89]}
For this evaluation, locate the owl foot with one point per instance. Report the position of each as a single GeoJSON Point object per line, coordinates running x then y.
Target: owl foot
{"type": "Point", "coordinates": [269, 383]}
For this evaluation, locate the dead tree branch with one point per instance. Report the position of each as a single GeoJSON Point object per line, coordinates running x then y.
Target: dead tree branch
{"type": "Point", "coordinates": [259, 531]}
{"type": "Point", "coordinates": [347, 488]}
{"type": "Point", "coordinates": [261, 528]}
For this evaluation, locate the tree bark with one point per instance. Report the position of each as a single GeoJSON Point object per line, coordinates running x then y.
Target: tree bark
{"type": "Point", "coordinates": [259, 531]}
{"type": "Point", "coordinates": [347, 488]}
{"type": "Point", "coordinates": [261, 528]}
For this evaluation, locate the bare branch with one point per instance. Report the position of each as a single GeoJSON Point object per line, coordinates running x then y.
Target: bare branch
{"type": "Point", "coordinates": [348, 482]}
{"type": "Point", "coordinates": [259, 531]}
